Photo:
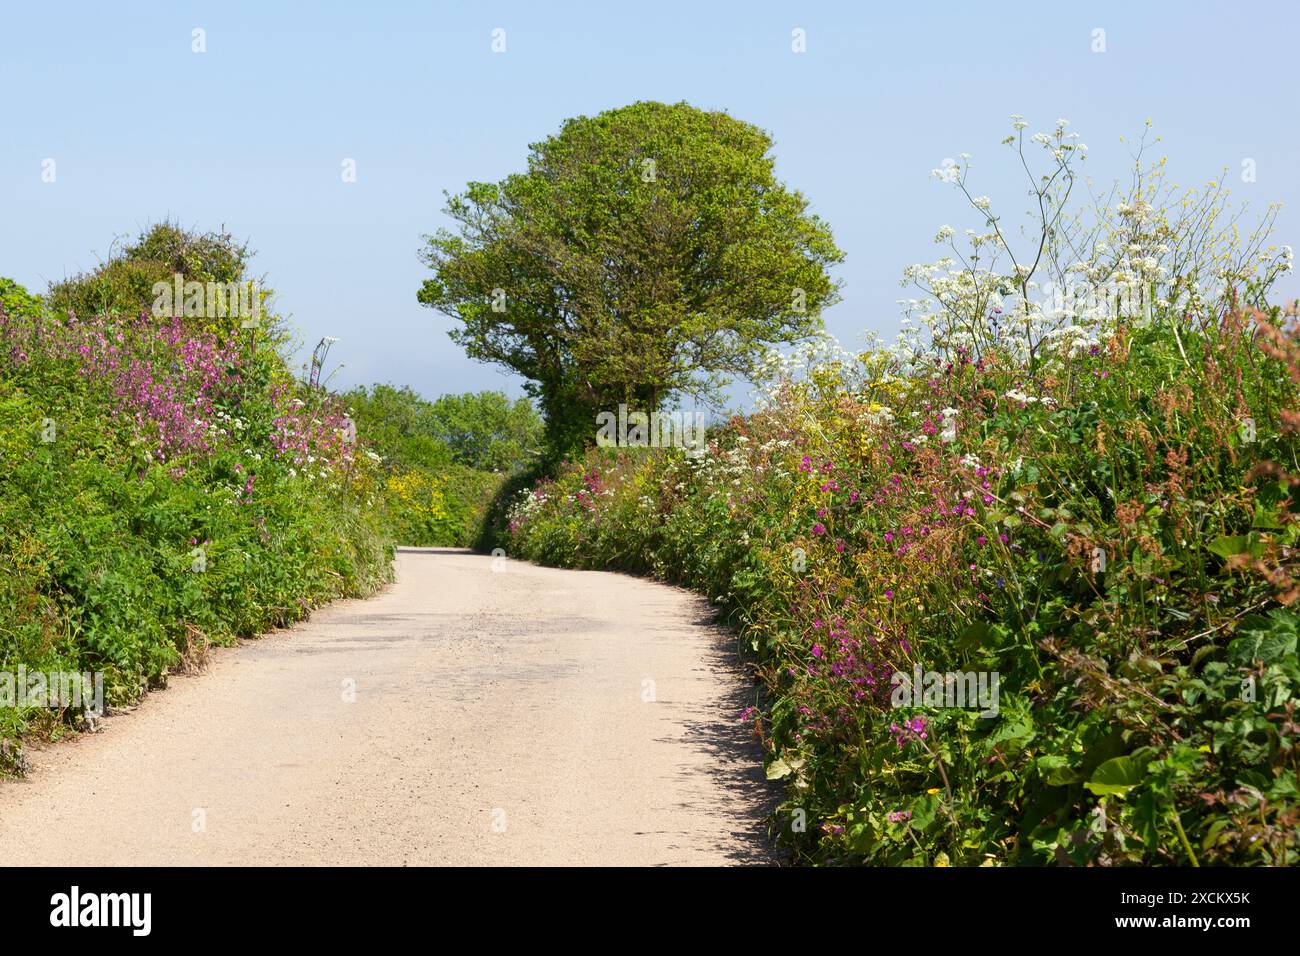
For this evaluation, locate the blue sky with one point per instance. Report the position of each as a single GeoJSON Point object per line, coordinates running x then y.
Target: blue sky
{"type": "Point", "coordinates": [252, 133]}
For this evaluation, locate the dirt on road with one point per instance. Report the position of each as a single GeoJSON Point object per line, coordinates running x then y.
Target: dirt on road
{"type": "Point", "coordinates": [479, 711]}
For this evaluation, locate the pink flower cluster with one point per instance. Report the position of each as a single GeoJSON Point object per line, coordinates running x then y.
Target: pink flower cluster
{"type": "Point", "coordinates": [162, 377]}
{"type": "Point", "coordinates": [175, 386]}
{"type": "Point", "coordinates": [307, 435]}
{"type": "Point", "coordinates": [914, 729]}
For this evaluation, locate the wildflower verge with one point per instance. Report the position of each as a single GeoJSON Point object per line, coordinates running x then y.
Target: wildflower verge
{"type": "Point", "coordinates": [165, 485]}
{"type": "Point", "coordinates": [1084, 507]}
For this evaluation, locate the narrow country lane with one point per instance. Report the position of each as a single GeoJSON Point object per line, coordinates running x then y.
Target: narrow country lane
{"type": "Point", "coordinates": [466, 715]}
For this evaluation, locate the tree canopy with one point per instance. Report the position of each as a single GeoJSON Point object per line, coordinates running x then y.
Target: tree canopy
{"type": "Point", "coordinates": [647, 253]}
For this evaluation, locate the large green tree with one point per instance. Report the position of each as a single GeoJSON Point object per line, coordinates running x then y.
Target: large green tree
{"type": "Point", "coordinates": [647, 253]}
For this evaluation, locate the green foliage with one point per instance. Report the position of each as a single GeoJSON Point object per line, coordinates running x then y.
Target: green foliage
{"type": "Point", "coordinates": [444, 460]}
{"type": "Point", "coordinates": [646, 252]}
{"type": "Point", "coordinates": [487, 431]}
{"type": "Point", "coordinates": [480, 430]}
{"type": "Point", "coordinates": [163, 488]}
{"type": "Point", "coordinates": [15, 300]}
{"type": "Point", "coordinates": [1148, 696]}
{"type": "Point", "coordinates": [399, 425]}
{"type": "Point", "coordinates": [124, 282]}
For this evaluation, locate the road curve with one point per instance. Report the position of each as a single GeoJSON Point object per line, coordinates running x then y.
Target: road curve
{"type": "Point", "coordinates": [466, 715]}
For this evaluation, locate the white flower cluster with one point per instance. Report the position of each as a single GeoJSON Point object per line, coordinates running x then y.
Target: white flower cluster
{"type": "Point", "coordinates": [1080, 272]}
{"type": "Point", "coordinates": [1023, 399]}
{"type": "Point", "coordinates": [820, 352]}
{"type": "Point", "coordinates": [530, 502]}
{"type": "Point", "coordinates": [1156, 254]}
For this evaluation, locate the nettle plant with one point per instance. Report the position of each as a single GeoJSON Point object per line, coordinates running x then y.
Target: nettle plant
{"type": "Point", "coordinates": [1079, 267]}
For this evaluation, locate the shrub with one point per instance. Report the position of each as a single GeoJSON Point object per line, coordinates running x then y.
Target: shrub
{"type": "Point", "coordinates": [124, 283]}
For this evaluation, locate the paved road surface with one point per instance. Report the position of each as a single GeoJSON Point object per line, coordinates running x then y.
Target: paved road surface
{"type": "Point", "coordinates": [500, 717]}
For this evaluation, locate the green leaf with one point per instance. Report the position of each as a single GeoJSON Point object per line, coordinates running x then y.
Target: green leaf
{"type": "Point", "coordinates": [1227, 546]}
{"type": "Point", "coordinates": [861, 839]}
{"type": "Point", "coordinates": [1116, 776]}
{"type": "Point", "coordinates": [1015, 731]}
{"type": "Point", "coordinates": [1263, 638]}
{"type": "Point", "coordinates": [1056, 770]}
{"type": "Point", "coordinates": [924, 810]}
{"type": "Point", "coordinates": [1276, 646]}
{"type": "Point", "coordinates": [781, 767]}
{"type": "Point", "coordinates": [1265, 518]}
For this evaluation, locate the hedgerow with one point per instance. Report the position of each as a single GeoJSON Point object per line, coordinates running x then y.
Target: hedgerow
{"type": "Point", "coordinates": [1088, 498]}
{"type": "Point", "coordinates": [165, 485]}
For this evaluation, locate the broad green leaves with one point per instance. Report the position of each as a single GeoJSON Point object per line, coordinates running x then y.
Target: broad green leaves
{"type": "Point", "coordinates": [1116, 776]}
